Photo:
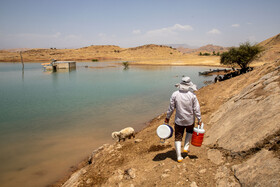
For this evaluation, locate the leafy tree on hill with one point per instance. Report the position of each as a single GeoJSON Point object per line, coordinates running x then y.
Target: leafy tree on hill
{"type": "Point", "coordinates": [206, 54]}
{"type": "Point", "coordinates": [242, 55]}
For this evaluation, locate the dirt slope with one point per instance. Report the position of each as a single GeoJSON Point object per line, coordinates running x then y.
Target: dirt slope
{"type": "Point", "coordinates": [272, 49]}
{"type": "Point", "coordinates": [145, 162]}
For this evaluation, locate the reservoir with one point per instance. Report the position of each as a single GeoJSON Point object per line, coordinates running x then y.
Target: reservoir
{"type": "Point", "coordinates": [49, 121]}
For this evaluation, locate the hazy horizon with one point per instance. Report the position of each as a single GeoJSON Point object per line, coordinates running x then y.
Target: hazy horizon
{"type": "Point", "coordinates": [75, 24]}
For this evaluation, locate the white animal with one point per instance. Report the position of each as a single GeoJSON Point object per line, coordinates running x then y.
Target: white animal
{"type": "Point", "coordinates": [123, 134]}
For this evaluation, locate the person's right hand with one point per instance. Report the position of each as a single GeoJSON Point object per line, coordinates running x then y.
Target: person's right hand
{"type": "Point", "coordinates": [166, 120]}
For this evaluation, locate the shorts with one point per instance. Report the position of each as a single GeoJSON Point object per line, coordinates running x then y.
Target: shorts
{"type": "Point", "coordinates": [179, 131]}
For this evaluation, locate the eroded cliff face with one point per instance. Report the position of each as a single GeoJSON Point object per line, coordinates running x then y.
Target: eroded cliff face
{"type": "Point", "coordinates": [249, 117]}
{"type": "Point", "coordinates": [247, 129]}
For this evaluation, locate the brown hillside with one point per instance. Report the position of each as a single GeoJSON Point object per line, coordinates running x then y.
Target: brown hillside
{"type": "Point", "coordinates": [207, 48]}
{"type": "Point", "coordinates": [272, 49]}
{"type": "Point", "coordinates": [211, 48]}
{"type": "Point", "coordinates": [275, 40]}
{"type": "Point", "coordinates": [102, 52]}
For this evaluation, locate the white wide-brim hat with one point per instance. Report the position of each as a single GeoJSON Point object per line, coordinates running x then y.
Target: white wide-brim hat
{"type": "Point", "coordinates": [186, 85]}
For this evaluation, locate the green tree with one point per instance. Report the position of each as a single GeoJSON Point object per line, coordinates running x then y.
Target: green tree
{"type": "Point", "coordinates": [206, 54]}
{"type": "Point", "coordinates": [200, 54]}
{"type": "Point", "coordinates": [214, 53]}
{"type": "Point", "coordinates": [242, 55]}
{"type": "Point", "coordinates": [125, 64]}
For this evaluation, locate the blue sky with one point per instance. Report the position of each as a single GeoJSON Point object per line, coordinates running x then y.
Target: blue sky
{"type": "Point", "coordinates": [130, 23]}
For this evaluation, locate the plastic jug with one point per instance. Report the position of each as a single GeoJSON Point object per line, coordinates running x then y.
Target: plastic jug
{"type": "Point", "coordinates": [197, 136]}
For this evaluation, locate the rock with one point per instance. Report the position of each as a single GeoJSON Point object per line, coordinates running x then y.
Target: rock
{"type": "Point", "coordinates": [202, 171]}
{"type": "Point", "coordinates": [117, 177]}
{"type": "Point", "coordinates": [215, 156]}
{"type": "Point", "coordinates": [110, 149]}
{"type": "Point", "coordinates": [89, 181]}
{"type": "Point", "coordinates": [118, 146]}
{"type": "Point", "coordinates": [224, 178]}
{"type": "Point", "coordinates": [255, 108]}
{"type": "Point", "coordinates": [167, 170]}
{"type": "Point", "coordinates": [163, 176]}
{"type": "Point", "coordinates": [130, 173]}
{"type": "Point", "coordinates": [261, 170]}
{"type": "Point", "coordinates": [138, 140]}
{"type": "Point", "coordinates": [103, 147]}
{"type": "Point", "coordinates": [75, 178]}
{"type": "Point", "coordinates": [193, 184]}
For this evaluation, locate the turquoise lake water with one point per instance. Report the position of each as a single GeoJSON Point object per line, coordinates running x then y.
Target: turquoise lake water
{"type": "Point", "coordinates": [49, 121]}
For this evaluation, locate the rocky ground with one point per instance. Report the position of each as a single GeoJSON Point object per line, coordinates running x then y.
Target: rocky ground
{"type": "Point", "coordinates": [241, 146]}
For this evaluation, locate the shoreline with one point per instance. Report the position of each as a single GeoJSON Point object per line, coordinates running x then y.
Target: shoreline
{"type": "Point", "coordinates": [75, 168]}
{"type": "Point", "coordinates": [86, 161]}
{"type": "Point", "coordinates": [143, 63]}
{"type": "Point", "coordinates": [110, 163]}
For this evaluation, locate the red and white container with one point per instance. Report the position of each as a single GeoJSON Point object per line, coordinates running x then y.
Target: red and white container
{"type": "Point", "coordinates": [197, 136]}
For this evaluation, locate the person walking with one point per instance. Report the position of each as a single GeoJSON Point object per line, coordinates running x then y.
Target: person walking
{"type": "Point", "coordinates": [187, 108]}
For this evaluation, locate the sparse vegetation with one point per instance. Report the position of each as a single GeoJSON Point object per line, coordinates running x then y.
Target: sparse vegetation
{"type": "Point", "coordinates": [208, 54]}
{"type": "Point", "coordinates": [125, 64]}
{"type": "Point", "coordinates": [242, 55]}
{"type": "Point", "coordinates": [94, 60]}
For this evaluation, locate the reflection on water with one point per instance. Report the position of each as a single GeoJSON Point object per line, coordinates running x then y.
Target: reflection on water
{"type": "Point", "coordinates": [52, 120]}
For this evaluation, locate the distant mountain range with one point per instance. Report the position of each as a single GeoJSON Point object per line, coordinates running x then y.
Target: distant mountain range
{"type": "Point", "coordinates": [185, 48]}
{"type": "Point", "coordinates": [182, 46]}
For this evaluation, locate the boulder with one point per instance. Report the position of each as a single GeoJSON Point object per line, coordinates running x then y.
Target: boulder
{"type": "Point", "coordinates": [249, 117]}
{"type": "Point", "coordinates": [215, 156]}
{"type": "Point", "coordinates": [263, 169]}
{"type": "Point", "coordinates": [193, 184]}
{"type": "Point", "coordinates": [75, 178]}
{"type": "Point", "coordinates": [130, 173]}
{"type": "Point", "coordinates": [224, 178]}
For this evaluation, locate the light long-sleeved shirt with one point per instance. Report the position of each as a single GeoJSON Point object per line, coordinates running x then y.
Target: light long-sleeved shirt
{"type": "Point", "coordinates": [187, 108]}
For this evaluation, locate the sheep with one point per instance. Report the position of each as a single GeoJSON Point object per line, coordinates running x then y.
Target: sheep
{"type": "Point", "coordinates": [124, 133]}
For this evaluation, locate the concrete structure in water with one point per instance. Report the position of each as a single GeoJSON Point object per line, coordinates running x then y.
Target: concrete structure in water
{"type": "Point", "coordinates": [60, 65]}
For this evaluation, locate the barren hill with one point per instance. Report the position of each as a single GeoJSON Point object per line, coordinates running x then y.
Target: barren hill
{"type": "Point", "coordinates": [272, 49]}
{"type": "Point", "coordinates": [275, 40]}
{"type": "Point", "coordinates": [102, 52]}
{"type": "Point", "coordinates": [207, 48]}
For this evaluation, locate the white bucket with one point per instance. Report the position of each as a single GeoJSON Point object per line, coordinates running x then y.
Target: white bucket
{"type": "Point", "coordinates": [164, 131]}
